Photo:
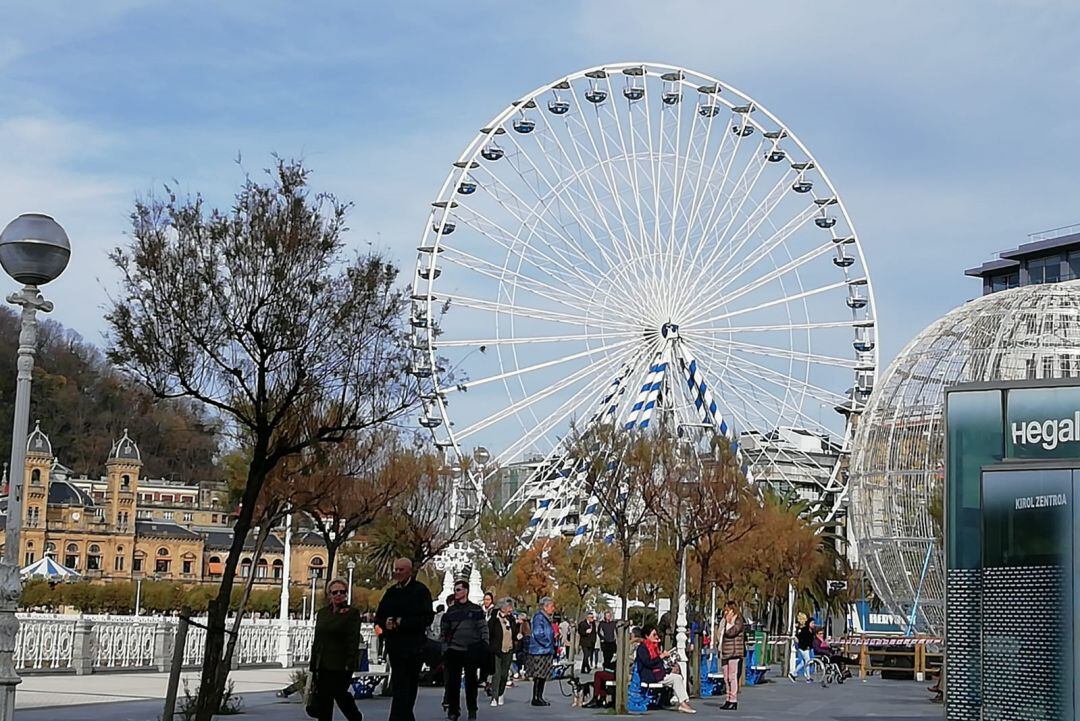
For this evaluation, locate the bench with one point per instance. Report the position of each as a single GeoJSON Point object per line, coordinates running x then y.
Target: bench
{"type": "Point", "coordinates": [364, 683]}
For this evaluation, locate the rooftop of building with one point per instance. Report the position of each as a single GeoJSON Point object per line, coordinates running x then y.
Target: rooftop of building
{"type": "Point", "coordinates": [1046, 242]}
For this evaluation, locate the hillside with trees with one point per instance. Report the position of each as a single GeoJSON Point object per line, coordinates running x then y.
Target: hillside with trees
{"type": "Point", "coordinates": [84, 404]}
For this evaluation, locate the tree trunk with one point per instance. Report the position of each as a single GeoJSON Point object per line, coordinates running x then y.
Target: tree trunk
{"type": "Point", "coordinates": [208, 698]}
{"type": "Point", "coordinates": [331, 558]}
{"type": "Point", "coordinates": [226, 665]}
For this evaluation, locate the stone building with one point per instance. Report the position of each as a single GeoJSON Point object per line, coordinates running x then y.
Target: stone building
{"type": "Point", "coordinates": [122, 526]}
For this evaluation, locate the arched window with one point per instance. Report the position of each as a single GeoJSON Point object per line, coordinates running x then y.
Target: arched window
{"type": "Point", "coordinates": [138, 561]}
{"type": "Point", "coordinates": [125, 482]}
{"type": "Point", "coordinates": [316, 568]}
{"type": "Point", "coordinates": [214, 567]}
{"type": "Point", "coordinates": [162, 563]}
{"type": "Point", "coordinates": [187, 563]}
{"type": "Point", "coordinates": [279, 568]}
{"type": "Point", "coordinates": [29, 557]}
{"type": "Point", "coordinates": [35, 476]}
{"type": "Point", "coordinates": [71, 557]}
{"type": "Point", "coordinates": [118, 561]}
{"type": "Point", "coordinates": [72, 548]}
{"type": "Point", "coordinates": [93, 557]}
{"type": "Point", "coordinates": [261, 568]}
{"type": "Point", "coordinates": [245, 568]}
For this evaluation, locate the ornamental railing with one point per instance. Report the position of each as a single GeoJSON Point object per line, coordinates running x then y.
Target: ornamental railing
{"type": "Point", "coordinates": [55, 643]}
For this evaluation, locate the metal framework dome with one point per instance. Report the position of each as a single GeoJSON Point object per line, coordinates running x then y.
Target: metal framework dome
{"type": "Point", "coordinates": [897, 467]}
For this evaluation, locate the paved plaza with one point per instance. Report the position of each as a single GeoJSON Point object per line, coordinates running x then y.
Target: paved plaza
{"type": "Point", "coordinates": [137, 697]}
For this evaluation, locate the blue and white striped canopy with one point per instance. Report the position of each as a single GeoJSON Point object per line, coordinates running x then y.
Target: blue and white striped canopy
{"type": "Point", "coordinates": [48, 568]}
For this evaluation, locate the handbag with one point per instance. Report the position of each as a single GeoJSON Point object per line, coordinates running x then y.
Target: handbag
{"type": "Point", "coordinates": [311, 693]}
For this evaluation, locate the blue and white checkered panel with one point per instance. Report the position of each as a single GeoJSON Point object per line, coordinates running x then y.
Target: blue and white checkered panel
{"type": "Point", "coordinates": [588, 520]}
{"type": "Point", "coordinates": [653, 396]}
{"type": "Point", "coordinates": [708, 410]}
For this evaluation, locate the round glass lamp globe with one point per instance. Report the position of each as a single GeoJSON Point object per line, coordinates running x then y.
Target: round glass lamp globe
{"type": "Point", "coordinates": [34, 249]}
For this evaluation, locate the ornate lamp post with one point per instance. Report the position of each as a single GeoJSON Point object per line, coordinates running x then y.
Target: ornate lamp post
{"type": "Point", "coordinates": [352, 567]}
{"type": "Point", "coordinates": [34, 250]}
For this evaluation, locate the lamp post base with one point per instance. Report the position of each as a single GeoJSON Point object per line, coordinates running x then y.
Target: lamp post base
{"type": "Point", "coordinates": [10, 590]}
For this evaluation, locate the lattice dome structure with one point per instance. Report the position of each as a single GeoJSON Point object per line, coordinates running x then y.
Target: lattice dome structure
{"type": "Point", "coordinates": [897, 464]}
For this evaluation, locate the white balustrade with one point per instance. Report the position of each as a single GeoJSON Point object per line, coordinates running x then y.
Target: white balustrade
{"type": "Point", "coordinates": [123, 644]}
{"type": "Point", "coordinates": [44, 644]}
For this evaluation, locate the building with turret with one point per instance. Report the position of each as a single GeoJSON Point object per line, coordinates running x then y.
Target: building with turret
{"type": "Point", "coordinates": [123, 526]}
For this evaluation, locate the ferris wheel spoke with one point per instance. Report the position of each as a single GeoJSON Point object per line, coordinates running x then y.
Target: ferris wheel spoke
{"type": "Point", "coordinates": [563, 191]}
{"type": "Point", "coordinates": [587, 187]}
{"type": "Point", "coordinates": [523, 340]}
{"type": "Point", "coordinates": [503, 307]}
{"type": "Point", "coordinates": [720, 298]}
{"type": "Point", "coordinates": [601, 369]}
{"type": "Point", "coordinates": [784, 405]}
{"type": "Point", "coordinates": [815, 358]}
{"type": "Point", "coordinates": [607, 166]}
{"type": "Point", "coordinates": [528, 283]}
{"type": "Point", "coordinates": [734, 242]}
{"type": "Point", "coordinates": [501, 189]}
{"type": "Point", "coordinates": [733, 210]}
{"type": "Point", "coordinates": [540, 366]}
{"type": "Point", "coordinates": [771, 375]}
{"type": "Point", "coordinates": [701, 185]}
{"type": "Point", "coordinates": [769, 304]}
{"type": "Point", "coordinates": [589, 393]}
{"type": "Point", "coordinates": [509, 241]}
{"type": "Point", "coordinates": [732, 330]}
{"type": "Point", "coordinates": [630, 158]}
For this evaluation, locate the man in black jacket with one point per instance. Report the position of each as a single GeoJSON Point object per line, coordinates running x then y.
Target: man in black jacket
{"type": "Point", "coordinates": [404, 614]}
{"type": "Point", "coordinates": [608, 643]}
{"type": "Point", "coordinates": [465, 632]}
{"type": "Point", "coordinates": [587, 635]}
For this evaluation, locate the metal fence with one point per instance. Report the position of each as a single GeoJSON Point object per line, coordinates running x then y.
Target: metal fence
{"type": "Point", "coordinates": [56, 643]}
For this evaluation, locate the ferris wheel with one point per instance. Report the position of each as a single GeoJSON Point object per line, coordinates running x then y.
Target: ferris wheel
{"type": "Point", "coordinates": [631, 240]}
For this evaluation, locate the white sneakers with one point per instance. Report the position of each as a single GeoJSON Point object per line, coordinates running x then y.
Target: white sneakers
{"type": "Point", "coordinates": [502, 699]}
{"type": "Point", "coordinates": [497, 700]}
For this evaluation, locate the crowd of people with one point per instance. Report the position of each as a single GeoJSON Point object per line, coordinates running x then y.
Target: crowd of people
{"type": "Point", "coordinates": [491, 646]}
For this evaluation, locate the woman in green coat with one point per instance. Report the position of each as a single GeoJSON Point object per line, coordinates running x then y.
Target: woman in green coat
{"type": "Point", "coordinates": [335, 654]}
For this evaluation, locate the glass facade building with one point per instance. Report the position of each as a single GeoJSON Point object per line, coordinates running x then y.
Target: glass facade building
{"type": "Point", "coordinates": [1011, 521]}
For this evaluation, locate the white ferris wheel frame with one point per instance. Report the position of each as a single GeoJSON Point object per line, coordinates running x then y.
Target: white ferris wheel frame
{"type": "Point", "coordinates": [426, 302]}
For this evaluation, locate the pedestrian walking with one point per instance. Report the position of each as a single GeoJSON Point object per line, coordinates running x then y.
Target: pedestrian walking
{"type": "Point", "coordinates": [489, 605]}
{"type": "Point", "coordinates": [502, 635]}
{"type": "Point", "coordinates": [404, 614]}
{"type": "Point", "coordinates": [335, 654]}
{"type": "Point", "coordinates": [541, 650]}
{"type": "Point", "coordinates": [605, 631]}
{"type": "Point", "coordinates": [804, 642]}
{"type": "Point", "coordinates": [465, 630]}
{"type": "Point", "coordinates": [587, 636]}
{"type": "Point", "coordinates": [732, 652]}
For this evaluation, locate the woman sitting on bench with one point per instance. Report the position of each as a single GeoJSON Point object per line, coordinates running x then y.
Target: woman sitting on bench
{"type": "Point", "coordinates": [651, 668]}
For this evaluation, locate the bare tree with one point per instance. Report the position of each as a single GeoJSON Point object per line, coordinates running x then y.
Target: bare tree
{"type": "Point", "coordinates": [416, 523]}
{"type": "Point", "coordinates": [351, 484]}
{"type": "Point", "coordinates": [256, 313]}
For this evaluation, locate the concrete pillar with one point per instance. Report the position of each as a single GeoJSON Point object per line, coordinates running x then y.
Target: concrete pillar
{"type": "Point", "coordinates": [82, 650]}
{"type": "Point", "coordinates": [10, 590]}
{"type": "Point", "coordinates": [164, 645]}
{"type": "Point", "coordinates": [285, 649]}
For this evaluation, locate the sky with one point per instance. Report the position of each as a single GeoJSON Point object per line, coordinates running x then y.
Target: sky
{"type": "Point", "coordinates": [948, 128]}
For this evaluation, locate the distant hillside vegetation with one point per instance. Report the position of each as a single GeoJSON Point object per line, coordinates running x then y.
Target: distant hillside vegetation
{"type": "Point", "coordinates": [84, 404]}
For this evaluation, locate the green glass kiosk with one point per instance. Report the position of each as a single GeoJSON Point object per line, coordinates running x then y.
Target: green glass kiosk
{"type": "Point", "coordinates": [1011, 522]}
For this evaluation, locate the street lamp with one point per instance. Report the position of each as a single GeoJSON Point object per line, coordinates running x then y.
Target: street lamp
{"type": "Point", "coordinates": [352, 567]}
{"type": "Point", "coordinates": [34, 250]}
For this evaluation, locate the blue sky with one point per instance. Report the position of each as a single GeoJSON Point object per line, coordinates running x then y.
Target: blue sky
{"type": "Point", "coordinates": [948, 128]}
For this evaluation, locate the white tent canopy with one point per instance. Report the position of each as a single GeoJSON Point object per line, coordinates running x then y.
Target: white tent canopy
{"type": "Point", "coordinates": [48, 568]}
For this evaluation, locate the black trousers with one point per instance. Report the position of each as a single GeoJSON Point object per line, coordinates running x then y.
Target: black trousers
{"type": "Point", "coordinates": [333, 687]}
{"type": "Point", "coordinates": [404, 680]}
{"type": "Point", "coordinates": [456, 664]}
{"type": "Point", "coordinates": [608, 649]}
{"type": "Point", "coordinates": [588, 654]}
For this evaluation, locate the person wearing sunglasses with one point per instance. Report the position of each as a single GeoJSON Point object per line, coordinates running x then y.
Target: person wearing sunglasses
{"type": "Point", "coordinates": [335, 655]}
{"type": "Point", "coordinates": [652, 668]}
{"type": "Point", "coordinates": [465, 631]}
